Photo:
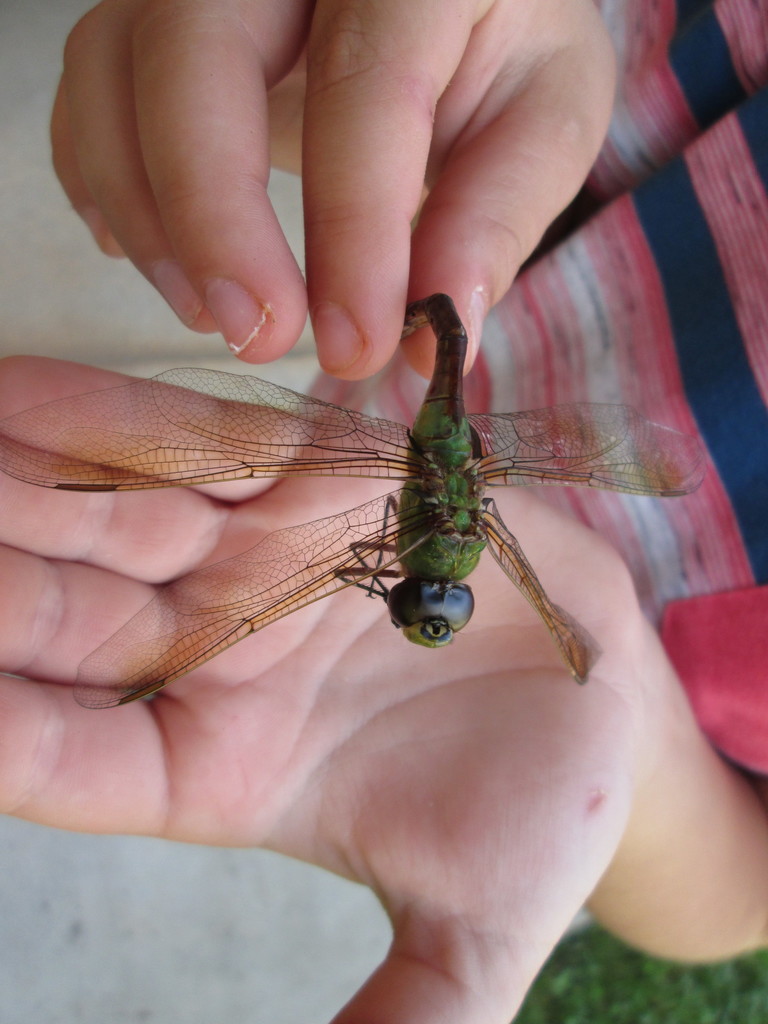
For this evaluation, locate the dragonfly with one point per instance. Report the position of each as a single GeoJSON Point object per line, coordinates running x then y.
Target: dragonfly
{"type": "Point", "coordinates": [194, 426]}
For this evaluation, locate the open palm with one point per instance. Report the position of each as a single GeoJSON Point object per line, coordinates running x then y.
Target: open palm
{"type": "Point", "coordinates": [477, 789]}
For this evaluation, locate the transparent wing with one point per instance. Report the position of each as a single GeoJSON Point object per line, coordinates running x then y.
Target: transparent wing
{"type": "Point", "coordinates": [201, 614]}
{"type": "Point", "coordinates": [577, 648]}
{"type": "Point", "coordinates": [607, 446]}
{"type": "Point", "coordinates": [195, 426]}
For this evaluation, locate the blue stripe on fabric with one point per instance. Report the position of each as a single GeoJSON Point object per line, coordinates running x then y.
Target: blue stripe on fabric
{"type": "Point", "coordinates": [753, 118]}
{"type": "Point", "coordinates": [701, 61]}
{"type": "Point", "coordinates": [687, 10]}
{"type": "Point", "coordinates": [717, 377]}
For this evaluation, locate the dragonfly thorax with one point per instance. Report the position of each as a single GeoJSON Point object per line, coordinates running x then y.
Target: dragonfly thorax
{"type": "Point", "coordinates": [445, 508]}
{"type": "Point", "coordinates": [430, 605]}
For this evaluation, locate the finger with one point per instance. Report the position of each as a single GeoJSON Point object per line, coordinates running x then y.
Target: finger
{"type": "Point", "coordinates": [511, 166]}
{"type": "Point", "coordinates": [374, 76]}
{"type": "Point", "coordinates": [109, 771]}
{"type": "Point", "coordinates": [60, 764]}
{"type": "Point", "coordinates": [66, 767]}
{"type": "Point", "coordinates": [65, 164]}
{"type": "Point", "coordinates": [98, 143]}
{"type": "Point", "coordinates": [201, 74]}
{"type": "Point", "coordinates": [56, 612]}
{"type": "Point", "coordinates": [148, 534]}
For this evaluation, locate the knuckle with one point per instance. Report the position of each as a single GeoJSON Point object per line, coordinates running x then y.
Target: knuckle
{"type": "Point", "coordinates": [342, 48]}
{"type": "Point", "coordinates": [350, 46]}
{"type": "Point", "coordinates": [156, 19]}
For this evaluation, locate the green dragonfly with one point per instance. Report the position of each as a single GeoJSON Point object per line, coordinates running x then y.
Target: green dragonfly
{"type": "Point", "coordinates": [194, 426]}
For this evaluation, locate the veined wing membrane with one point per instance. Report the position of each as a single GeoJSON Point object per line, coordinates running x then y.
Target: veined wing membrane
{"type": "Point", "coordinates": [192, 426]}
{"type": "Point", "coordinates": [608, 446]}
{"type": "Point", "coordinates": [201, 614]}
{"type": "Point", "coordinates": [577, 648]}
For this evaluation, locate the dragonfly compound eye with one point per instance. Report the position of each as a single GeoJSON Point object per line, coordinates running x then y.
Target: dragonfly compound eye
{"type": "Point", "coordinates": [429, 612]}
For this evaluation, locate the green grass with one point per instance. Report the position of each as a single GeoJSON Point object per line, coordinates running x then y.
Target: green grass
{"type": "Point", "coordinates": [593, 979]}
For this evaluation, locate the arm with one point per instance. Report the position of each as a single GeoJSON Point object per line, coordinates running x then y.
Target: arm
{"type": "Point", "coordinates": [689, 880]}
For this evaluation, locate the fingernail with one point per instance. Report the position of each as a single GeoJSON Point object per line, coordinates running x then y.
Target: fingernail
{"type": "Point", "coordinates": [102, 235]}
{"type": "Point", "coordinates": [242, 319]}
{"type": "Point", "coordinates": [171, 281]}
{"type": "Point", "coordinates": [478, 310]}
{"type": "Point", "coordinates": [340, 342]}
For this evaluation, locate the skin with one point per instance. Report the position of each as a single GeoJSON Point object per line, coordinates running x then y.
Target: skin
{"type": "Point", "coordinates": [480, 793]}
{"type": "Point", "coordinates": [170, 111]}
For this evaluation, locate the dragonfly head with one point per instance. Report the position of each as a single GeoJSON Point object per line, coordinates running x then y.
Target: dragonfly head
{"type": "Point", "coordinates": [429, 612]}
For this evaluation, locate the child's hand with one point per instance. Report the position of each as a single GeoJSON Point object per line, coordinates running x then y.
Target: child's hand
{"type": "Point", "coordinates": [478, 790]}
{"type": "Point", "coordinates": [166, 113]}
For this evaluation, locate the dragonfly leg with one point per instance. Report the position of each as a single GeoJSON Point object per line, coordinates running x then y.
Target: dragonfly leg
{"type": "Point", "coordinates": [370, 583]}
{"type": "Point", "coordinates": [367, 576]}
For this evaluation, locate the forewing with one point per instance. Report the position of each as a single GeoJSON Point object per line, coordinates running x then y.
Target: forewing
{"type": "Point", "coordinates": [607, 446]}
{"type": "Point", "coordinates": [201, 614]}
{"type": "Point", "coordinates": [577, 648]}
{"type": "Point", "coordinates": [193, 426]}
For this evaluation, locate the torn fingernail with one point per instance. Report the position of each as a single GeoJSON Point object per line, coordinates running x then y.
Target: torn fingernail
{"type": "Point", "coordinates": [171, 281]}
{"type": "Point", "coordinates": [241, 318]}
{"type": "Point", "coordinates": [340, 342]}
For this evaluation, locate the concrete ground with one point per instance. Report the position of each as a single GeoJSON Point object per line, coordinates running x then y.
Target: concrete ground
{"type": "Point", "coordinates": [115, 930]}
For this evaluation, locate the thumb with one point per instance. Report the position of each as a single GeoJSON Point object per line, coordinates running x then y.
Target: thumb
{"type": "Point", "coordinates": [491, 910]}
{"type": "Point", "coordinates": [442, 971]}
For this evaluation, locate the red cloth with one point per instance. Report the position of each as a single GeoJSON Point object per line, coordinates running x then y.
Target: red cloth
{"type": "Point", "coordinates": [719, 645]}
